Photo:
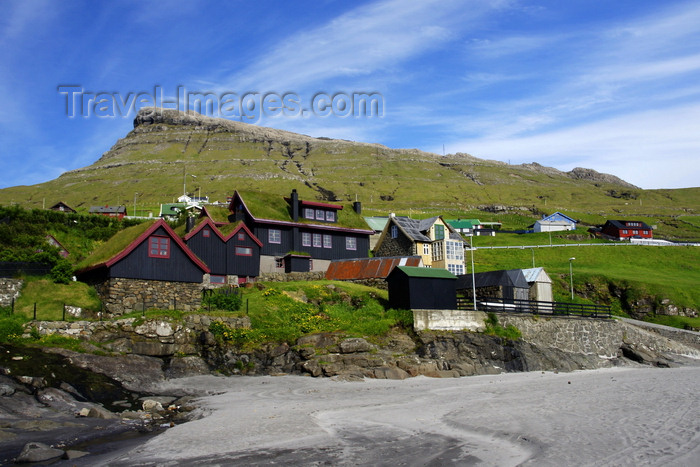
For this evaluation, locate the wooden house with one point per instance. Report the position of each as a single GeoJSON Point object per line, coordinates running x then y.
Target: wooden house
{"type": "Point", "coordinates": [506, 284]}
{"type": "Point", "coordinates": [51, 240]}
{"type": "Point", "coordinates": [110, 211]}
{"type": "Point", "coordinates": [62, 207]}
{"type": "Point", "coordinates": [540, 284]}
{"type": "Point", "coordinates": [292, 226]}
{"type": "Point", "coordinates": [625, 229]}
{"type": "Point", "coordinates": [413, 288]}
{"type": "Point", "coordinates": [231, 252]}
{"type": "Point", "coordinates": [555, 222]}
{"type": "Point", "coordinates": [435, 241]}
{"type": "Point", "coordinates": [147, 265]}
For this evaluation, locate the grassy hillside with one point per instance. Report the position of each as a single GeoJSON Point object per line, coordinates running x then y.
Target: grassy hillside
{"type": "Point", "coordinates": [151, 163]}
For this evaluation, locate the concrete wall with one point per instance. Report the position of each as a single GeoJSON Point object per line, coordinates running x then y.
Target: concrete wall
{"type": "Point", "coordinates": [448, 320]}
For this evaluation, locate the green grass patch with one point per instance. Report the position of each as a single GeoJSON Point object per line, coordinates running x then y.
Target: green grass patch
{"type": "Point", "coordinates": [50, 298]}
{"type": "Point", "coordinates": [494, 328]}
{"type": "Point", "coordinates": [682, 322]}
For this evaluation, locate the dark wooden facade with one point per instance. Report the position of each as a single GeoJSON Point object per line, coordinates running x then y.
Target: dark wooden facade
{"type": "Point", "coordinates": [137, 261]}
{"type": "Point", "coordinates": [321, 240]}
{"type": "Point", "coordinates": [413, 288]}
{"type": "Point", "coordinates": [237, 253]}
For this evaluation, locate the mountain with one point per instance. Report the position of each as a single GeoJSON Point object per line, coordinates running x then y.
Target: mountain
{"type": "Point", "coordinates": [168, 149]}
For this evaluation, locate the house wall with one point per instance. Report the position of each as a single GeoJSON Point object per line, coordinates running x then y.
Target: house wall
{"type": "Point", "coordinates": [399, 246]}
{"type": "Point", "coordinates": [240, 265]}
{"type": "Point", "coordinates": [123, 295]}
{"type": "Point", "coordinates": [138, 265]}
{"type": "Point", "coordinates": [454, 320]}
{"type": "Point", "coordinates": [211, 250]}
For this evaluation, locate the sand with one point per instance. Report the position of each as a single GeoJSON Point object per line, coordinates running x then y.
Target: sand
{"type": "Point", "coordinates": [611, 417]}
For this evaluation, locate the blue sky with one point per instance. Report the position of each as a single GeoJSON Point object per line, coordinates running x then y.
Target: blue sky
{"type": "Point", "coordinates": [612, 86]}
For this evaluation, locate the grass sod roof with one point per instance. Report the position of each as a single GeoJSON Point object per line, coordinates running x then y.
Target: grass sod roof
{"type": "Point", "coordinates": [275, 207]}
{"type": "Point", "coordinates": [414, 271]}
{"type": "Point", "coordinates": [114, 245]}
{"type": "Point", "coordinates": [218, 213]}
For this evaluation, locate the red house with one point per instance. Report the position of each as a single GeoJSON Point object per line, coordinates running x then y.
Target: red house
{"type": "Point", "coordinates": [110, 211]}
{"type": "Point", "coordinates": [622, 230]}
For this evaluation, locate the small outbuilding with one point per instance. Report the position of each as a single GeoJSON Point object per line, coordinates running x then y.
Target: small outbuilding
{"type": "Point", "coordinates": [508, 284]}
{"type": "Point", "coordinates": [412, 288]}
{"type": "Point", "coordinates": [540, 284]}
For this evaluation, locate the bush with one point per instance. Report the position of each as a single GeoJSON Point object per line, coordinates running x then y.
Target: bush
{"type": "Point", "coordinates": [493, 328]}
{"type": "Point", "coordinates": [11, 328]}
{"type": "Point", "coordinates": [223, 299]}
{"type": "Point", "coordinates": [62, 272]}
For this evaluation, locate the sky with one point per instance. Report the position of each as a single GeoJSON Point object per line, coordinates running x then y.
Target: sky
{"type": "Point", "coordinates": [612, 86]}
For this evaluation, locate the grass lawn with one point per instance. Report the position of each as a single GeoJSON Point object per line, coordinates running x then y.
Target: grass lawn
{"type": "Point", "coordinates": [50, 298]}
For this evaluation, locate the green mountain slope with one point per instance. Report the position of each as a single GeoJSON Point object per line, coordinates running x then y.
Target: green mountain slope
{"type": "Point", "coordinates": [151, 163]}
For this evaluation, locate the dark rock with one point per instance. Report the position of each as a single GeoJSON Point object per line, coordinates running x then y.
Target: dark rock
{"type": "Point", "coordinates": [354, 345]}
{"type": "Point", "coordinates": [390, 372]}
{"type": "Point", "coordinates": [187, 366]}
{"type": "Point", "coordinates": [38, 452]}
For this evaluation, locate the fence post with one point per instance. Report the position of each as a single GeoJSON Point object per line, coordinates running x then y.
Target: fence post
{"type": "Point", "coordinates": [174, 303]}
{"type": "Point", "coordinates": [143, 309]}
{"type": "Point", "coordinates": [64, 312]}
{"type": "Point", "coordinates": [12, 308]}
{"type": "Point", "coordinates": [246, 306]}
{"type": "Point", "coordinates": [34, 311]}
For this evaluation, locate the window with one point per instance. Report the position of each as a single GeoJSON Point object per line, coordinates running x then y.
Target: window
{"type": "Point", "coordinates": [274, 236]}
{"type": "Point", "coordinates": [456, 269]}
{"type": "Point", "coordinates": [305, 239]}
{"type": "Point", "coordinates": [394, 231]}
{"type": "Point", "coordinates": [279, 262]}
{"type": "Point", "coordinates": [645, 232]}
{"type": "Point", "coordinates": [206, 233]}
{"type": "Point", "coordinates": [330, 216]}
{"type": "Point", "coordinates": [241, 236]}
{"type": "Point", "coordinates": [635, 232]}
{"type": "Point", "coordinates": [439, 231]}
{"type": "Point", "coordinates": [454, 250]}
{"type": "Point", "coordinates": [624, 231]}
{"type": "Point", "coordinates": [320, 214]}
{"type": "Point", "coordinates": [159, 247]}
{"type": "Point", "coordinates": [244, 251]}
{"type": "Point", "coordinates": [327, 241]}
{"type": "Point", "coordinates": [309, 213]}
{"type": "Point", "coordinates": [437, 251]}
{"type": "Point", "coordinates": [426, 249]}
{"type": "Point", "coordinates": [350, 243]}
{"type": "Point", "coordinates": [217, 279]}
{"type": "Point", "coordinates": [317, 240]}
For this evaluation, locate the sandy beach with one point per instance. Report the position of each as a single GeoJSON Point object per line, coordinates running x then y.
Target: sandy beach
{"type": "Point", "coordinates": [615, 417]}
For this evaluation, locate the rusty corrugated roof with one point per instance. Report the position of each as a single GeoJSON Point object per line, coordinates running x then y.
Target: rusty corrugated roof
{"type": "Point", "coordinates": [368, 268]}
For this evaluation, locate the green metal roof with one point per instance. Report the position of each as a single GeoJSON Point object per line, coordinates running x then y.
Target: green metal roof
{"type": "Point", "coordinates": [463, 223]}
{"type": "Point", "coordinates": [377, 223]}
{"type": "Point", "coordinates": [413, 271]}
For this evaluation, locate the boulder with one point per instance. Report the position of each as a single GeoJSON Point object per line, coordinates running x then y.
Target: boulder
{"type": "Point", "coordinates": [353, 345]}
{"type": "Point", "coordinates": [38, 452]}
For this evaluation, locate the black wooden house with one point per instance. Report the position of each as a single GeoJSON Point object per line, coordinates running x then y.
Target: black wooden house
{"type": "Point", "coordinates": [412, 288]}
{"type": "Point", "coordinates": [229, 250]}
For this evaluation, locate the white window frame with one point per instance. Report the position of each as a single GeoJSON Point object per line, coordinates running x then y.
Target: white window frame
{"type": "Point", "coordinates": [274, 236]}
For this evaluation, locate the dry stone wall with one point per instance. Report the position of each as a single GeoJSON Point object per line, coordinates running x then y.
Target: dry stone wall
{"type": "Point", "coordinates": [121, 296]}
{"type": "Point", "coordinates": [9, 290]}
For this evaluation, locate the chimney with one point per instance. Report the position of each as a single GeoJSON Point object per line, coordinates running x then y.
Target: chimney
{"type": "Point", "coordinates": [357, 207]}
{"type": "Point", "coordinates": [295, 205]}
{"type": "Point", "coordinates": [189, 224]}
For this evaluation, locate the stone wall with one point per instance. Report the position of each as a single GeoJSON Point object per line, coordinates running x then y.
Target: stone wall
{"type": "Point", "coordinates": [457, 320]}
{"type": "Point", "coordinates": [121, 296]}
{"type": "Point", "coordinates": [587, 336]}
{"type": "Point", "coordinates": [9, 290]}
{"type": "Point", "coordinates": [155, 337]}
{"type": "Point", "coordinates": [292, 276]}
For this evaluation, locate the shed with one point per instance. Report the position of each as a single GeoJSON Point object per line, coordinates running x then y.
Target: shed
{"type": "Point", "coordinates": [368, 268]}
{"type": "Point", "coordinates": [540, 284]}
{"type": "Point", "coordinates": [413, 288]}
{"type": "Point", "coordinates": [507, 284]}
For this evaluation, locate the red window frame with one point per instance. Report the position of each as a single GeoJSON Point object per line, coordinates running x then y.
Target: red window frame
{"type": "Point", "coordinates": [241, 236]}
{"type": "Point", "coordinates": [243, 251]}
{"type": "Point", "coordinates": [206, 233]}
{"type": "Point", "coordinates": [158, 247]}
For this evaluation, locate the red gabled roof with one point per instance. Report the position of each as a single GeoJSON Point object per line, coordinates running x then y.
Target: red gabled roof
{"type": "Point", "coordinates": [242, 226]}
{"type": "Point", "coordinates": [368, 268]}
{"type": "Point", "coordinates": [206, 222]}
{"type": "Point", "coordinates": [144, 236]}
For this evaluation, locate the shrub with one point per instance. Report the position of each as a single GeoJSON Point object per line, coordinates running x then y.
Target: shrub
{"type": "Point", "coordinates": [11, 328]}
{"type": "Point", "coordinates": [62, 272]}
{"type": "Point", "coordinates": [494, 328]}
{"type": "Point", "coordinates": [223, 299]}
